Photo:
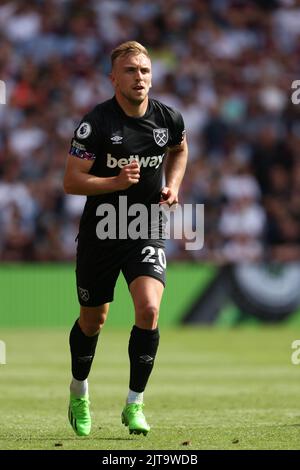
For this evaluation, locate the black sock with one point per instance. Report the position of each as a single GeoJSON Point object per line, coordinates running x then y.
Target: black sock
{"type": "Point", "coordinates": [82, 352]}
{"type": "Point", "coordinates": [142, 349]}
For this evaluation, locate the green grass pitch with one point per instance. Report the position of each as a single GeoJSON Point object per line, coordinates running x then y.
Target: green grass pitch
{"type": "Point", "coordinates": [210, 389]}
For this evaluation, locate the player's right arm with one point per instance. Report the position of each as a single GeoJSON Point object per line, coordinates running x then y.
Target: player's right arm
{"type": "Point", "coordinates": [82, 154]}
{"type": "Point", "coordinates": [78, 180]}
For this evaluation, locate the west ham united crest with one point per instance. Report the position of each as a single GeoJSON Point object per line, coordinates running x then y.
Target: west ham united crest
{"type": "Point", "coordinates": [161, 136]}
{"type": "Point", "coordinates": [84, 294]}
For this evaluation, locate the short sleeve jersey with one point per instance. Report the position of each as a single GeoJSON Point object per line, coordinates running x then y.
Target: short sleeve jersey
{"type": "Point", "coordinates": [111, 139]}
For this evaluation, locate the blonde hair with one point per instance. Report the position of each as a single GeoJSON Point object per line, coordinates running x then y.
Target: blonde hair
{"type": "Point", "coordinates": [129, 47]}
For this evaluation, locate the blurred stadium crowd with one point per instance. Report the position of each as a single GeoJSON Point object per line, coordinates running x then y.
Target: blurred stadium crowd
{"type": "Point", "coordinates": [226, 65]}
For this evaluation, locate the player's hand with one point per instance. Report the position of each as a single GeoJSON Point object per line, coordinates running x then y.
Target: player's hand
{"type": "Point", "coordinates": [130, 174]}
{"type": "Point", "coordinates": [168, 196]}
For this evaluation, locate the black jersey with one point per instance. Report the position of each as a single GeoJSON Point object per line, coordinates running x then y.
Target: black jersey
{"type": "Point", "coordinates": [112, 139]}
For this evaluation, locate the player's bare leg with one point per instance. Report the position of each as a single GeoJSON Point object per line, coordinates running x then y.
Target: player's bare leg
{"type": "Point", "coordinates": [83, 341]}
{"type": "Point", "coordinates": [146, 293]}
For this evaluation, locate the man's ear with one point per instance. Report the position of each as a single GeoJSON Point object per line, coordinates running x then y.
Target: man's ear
{"type": "Point", "coordinates": [112, 78]}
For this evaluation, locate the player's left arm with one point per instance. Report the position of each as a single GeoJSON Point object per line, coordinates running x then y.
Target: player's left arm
{"type": "Point", "coordinates": [174, 172]}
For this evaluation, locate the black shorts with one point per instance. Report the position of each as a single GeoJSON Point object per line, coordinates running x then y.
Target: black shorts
{"type": "Point", "coordinates": [99, 264]}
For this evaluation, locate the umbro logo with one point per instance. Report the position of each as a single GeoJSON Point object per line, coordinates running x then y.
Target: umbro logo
{"type": "Point", "coordinates": [84, 359]}
{"type": "Point", "coordinates": [116, 139]}
{"type": "Point", "coordinates": [158, 269]}
{"type": "Point", "coordinates": [146, 359]}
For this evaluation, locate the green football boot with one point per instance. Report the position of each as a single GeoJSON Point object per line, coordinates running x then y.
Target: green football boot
{"type": "Point", "coordinates": [133, 417]}
{"type": "Point", "coordinates": [79, 415]}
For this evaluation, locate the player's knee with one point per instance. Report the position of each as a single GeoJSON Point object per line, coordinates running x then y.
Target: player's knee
{"type": "Point", "coordinates": [147, 316]}
{"type": "Point", "coordinates": [92, 327]}
{"type": "Point", "coordinates": [100, 320]}
{"type": "Point", "coordinates": [91, 324]}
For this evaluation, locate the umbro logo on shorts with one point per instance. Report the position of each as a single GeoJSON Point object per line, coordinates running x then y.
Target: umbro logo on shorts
{"type": "Point", "coordinates": [154, 161]}
{"type": "Point", "coordinates": [158, 269]}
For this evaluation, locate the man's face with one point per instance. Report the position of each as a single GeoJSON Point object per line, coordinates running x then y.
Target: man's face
{"type": "Point", "coordinates": [131, 77]}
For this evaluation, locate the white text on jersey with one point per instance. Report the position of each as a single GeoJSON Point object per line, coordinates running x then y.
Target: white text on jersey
{"type": "Point", "coordinates": [154, 161]}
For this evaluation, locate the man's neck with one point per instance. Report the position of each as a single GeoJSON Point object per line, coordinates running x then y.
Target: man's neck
{"type": "Point", "coordinates": [131, 109]}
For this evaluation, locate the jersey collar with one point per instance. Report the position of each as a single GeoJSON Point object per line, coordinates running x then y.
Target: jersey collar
{"type": "Point", "coordinates": [121, 111]}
